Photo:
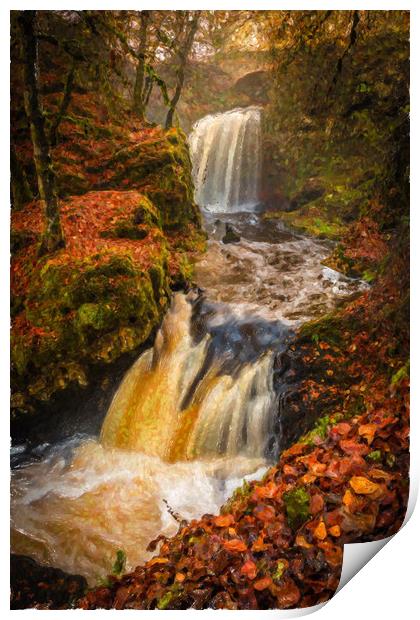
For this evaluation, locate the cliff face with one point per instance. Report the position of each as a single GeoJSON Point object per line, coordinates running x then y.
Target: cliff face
{"type": "Point", "coordinates": [337, 118]}
{"type": "Point", "coordinates": [233, 80]}
{"type": "Point", "coordinates": [130, 225]}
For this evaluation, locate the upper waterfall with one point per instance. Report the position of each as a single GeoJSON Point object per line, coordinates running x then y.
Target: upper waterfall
{"type": "Point", "coordinates": [226, 155]}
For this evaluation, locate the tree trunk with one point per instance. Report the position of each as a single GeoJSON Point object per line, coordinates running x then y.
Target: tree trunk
{"type": "Point", "coordinates": [180, 74]}
{"type": "Point", "coordinates": [20, 190]}
{"type": "Point", "coordinates": [52, 237]}
{"type": "Point", "coordinates": [139, 86]}
{"type": "Point", "coordinates": [65, 102]}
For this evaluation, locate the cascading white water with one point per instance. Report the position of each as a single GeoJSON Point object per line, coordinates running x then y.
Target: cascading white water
{"type": "Point", "coordinates": [226, 154]}
{"type": "Point", "coordinates": [179, 402]}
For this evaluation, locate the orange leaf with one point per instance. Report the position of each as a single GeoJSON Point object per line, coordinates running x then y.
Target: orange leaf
{"type": "Point", "coordinates": [259, 545]}
{"type": "Point", "coordinates": [342, 428]}
{"type": "Point", "coordinates": [363, 486]}
{"type": "Point", "coordinates": [269, 490]}
{"type": "Point", "coordinates": [335, 531]}
{"type": "Point", "coordinates": [154, 561]}
{"type": "Point", "coordinates": [249, 569]}
{"type": "Point", "coordinates": [302, 542]}
{"type": "Point", "coordinates": [320, 531]}
{"type": "Point", "coordinates": [368, 432]}
{"type": "Point", "coordinates": [224, 520]}
{"type": "Point", "coordinates": [263, 583]}
{"type": "Point", "coordinates": [235, 545]}
{"type": "Point", "coordinates": [351, 502]}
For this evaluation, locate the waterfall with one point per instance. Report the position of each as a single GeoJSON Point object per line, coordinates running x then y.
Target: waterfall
{"type": "Point", "coordinates": [179, 401]}
{"type": "Point", "coordinates": [226, 155]}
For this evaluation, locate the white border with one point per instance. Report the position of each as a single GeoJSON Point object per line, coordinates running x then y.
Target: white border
{"type": "Point", "coordinates": [386, 586]}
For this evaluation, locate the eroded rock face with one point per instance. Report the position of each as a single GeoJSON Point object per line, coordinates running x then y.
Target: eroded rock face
{"type": "Point", "coordinates": [256, 85]}
{"type": "Point", "coordinates": [312, 190]}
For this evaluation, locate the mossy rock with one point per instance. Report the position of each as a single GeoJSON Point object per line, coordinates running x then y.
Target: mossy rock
{"type": "Point", "coordinates": [163, 168]}
{"type": "Point", "coordinates": [137, 226]}
{"type": "Point", "coordinates": [82, 313]}
{"type": "Point", "coordinates": [296, 502]}
{"type": "Point", "coordinates": [126, 229]}
{"type": "Point", "coordinates": [72, 184]}
{"type": "Point", "coordinates": [147, 213]}
{"type": "Point", "coordinates": [329, 329]}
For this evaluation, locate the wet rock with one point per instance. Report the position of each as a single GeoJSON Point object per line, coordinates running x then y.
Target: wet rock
{"type": "Point", "coordinates": [42, 587]}
{"type": "Point", "coordinates": [312, 190]}
{"type": "Point", "coordinates": [231, 236]}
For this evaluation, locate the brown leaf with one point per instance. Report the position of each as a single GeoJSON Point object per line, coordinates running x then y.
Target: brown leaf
{"type": "Point", "coordinates": [316, 503]}
{"type": "Point", "coordinates": [264, 513]}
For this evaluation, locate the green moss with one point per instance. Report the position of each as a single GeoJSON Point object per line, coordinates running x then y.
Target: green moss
{"type": "Point", "coordinates": [240, 494]}
{"type": "Point", "coordinates": [119, 564]}
{"type": "Point", "coordinates": [402, 373]}
{"type": "Point", "coordinates": [88, 311]}
{"type": "Point", "coordinates": [126, 229]}
{"type": "Point", "coordinates": [327, 329]}
{"type": "Point", "coordinates": [297, 506]}
{"type": "Point", "coordinates": [321, 428]}
{"type": "Point", "coordinates": [147, 213]}
{"type": "Point", "coordinates": [186, 268]}
{"type": "Point", "coordinates": [368, 276]}
{"type": "Point", "coordinates": [375, 456]}
{"type": "Point", "coordinates": [280, 568]}
{"type": "Point", "coordinates": [164, 601]}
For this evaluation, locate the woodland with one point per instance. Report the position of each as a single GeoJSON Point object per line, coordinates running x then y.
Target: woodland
{"type": "Point", "coordinates": [158, 159]}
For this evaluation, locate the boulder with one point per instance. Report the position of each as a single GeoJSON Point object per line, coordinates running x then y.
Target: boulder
{"type": "Point", "coordinates": [231, 236]}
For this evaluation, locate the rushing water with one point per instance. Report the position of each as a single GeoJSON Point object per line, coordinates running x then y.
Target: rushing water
{"type": "Point", "coordinates": [196, 414]}
{"type": "Point", "coordinates": [226, 153]}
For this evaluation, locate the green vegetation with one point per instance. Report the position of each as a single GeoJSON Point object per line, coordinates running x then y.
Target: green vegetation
{"type": "Point", "coordinates": [297, 506]}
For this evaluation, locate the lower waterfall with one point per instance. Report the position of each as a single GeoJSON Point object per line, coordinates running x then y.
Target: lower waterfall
{"type": "Point", "coordinates": [178, 404]}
